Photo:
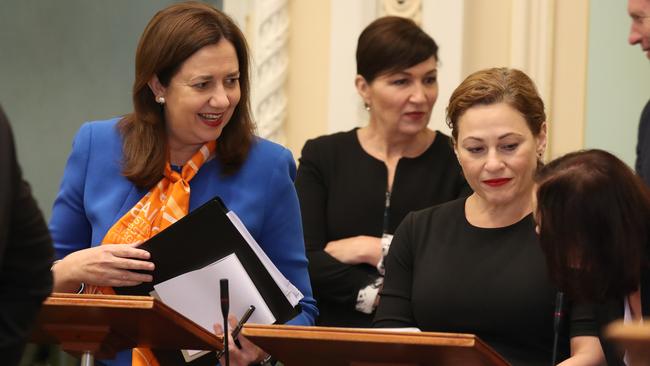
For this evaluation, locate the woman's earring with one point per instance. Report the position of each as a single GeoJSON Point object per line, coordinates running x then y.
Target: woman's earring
{"type": "Point", "coordinates": [367, 106]}
{"type": "Point", "coordinates": [160, 100]}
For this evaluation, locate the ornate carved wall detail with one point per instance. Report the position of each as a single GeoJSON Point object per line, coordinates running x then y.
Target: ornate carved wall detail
{"type": "Point", "coordinates": [531, 43]}
{"type": "Point", "coordinates": [404, 8]}
{"type": "Point", "coordinates": [269, 21]}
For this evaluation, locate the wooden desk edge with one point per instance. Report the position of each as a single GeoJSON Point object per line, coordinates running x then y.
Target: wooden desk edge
{"type": "Point", "coordinates": [132, 302]}
{"type": "Point", "coordinates": [353, 334]}
{"type": "Point", "coordinates": [629, 332]}
{"type": "Point", "coordinates": [140, 302]}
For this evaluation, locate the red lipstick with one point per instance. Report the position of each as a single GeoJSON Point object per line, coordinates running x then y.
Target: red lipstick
{"type": "Point", "coordinates": [213, 123]}
{"type": "Point", "coordinates": [497, 182]}
{"type": "Point", "coordinates": [211, 120]}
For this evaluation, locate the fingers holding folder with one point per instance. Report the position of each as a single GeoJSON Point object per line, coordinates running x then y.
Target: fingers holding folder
{"type": "Point", "coordinates": [106, 265]}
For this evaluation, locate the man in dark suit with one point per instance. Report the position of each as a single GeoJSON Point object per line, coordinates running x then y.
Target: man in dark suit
{"type": "Point", "coordinates": [25, 253]}
{"type": "Point", "coordinates": [639, 11]}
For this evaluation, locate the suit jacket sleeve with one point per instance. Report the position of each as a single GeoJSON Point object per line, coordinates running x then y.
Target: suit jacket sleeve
{"type": "Point", "coordinates": [333, 280]}
{"type": "Point", "coordinates": [69, 226]}
{"type": "Point", "coordinates": [282, 235]}
{"type": "Point", "coordinates": [642, 163]}
{"type": "Point", "coordinates": [25, 252]}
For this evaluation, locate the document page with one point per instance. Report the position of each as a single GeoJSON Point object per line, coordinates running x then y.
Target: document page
{"type": "Point", "coordinates": [196, 294]}
{"type": "Point", "coordinates": [290, 291]}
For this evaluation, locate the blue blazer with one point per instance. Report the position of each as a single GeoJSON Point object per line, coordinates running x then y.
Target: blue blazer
{"type": "Point", "coordinates": [94, 195]}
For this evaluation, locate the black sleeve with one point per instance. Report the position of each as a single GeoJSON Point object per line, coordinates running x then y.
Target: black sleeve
{"type": "Point", "coordinates": [395, 310]}
{"type": "Point", "coordinates": [590, 319]}
{"type": "Point", "coordinates": [582, 320]}
{"type": "Point", "coordinates": [331, 279]}
{"type": "Point", "coordinates": [641, 164]}
{"type": "Point", "coordinates": [25, 252]}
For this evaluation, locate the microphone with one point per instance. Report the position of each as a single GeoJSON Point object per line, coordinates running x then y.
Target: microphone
{"type": "Point", "coordinates": [557, 320]}
{"type": "Point", "coordinates": [225, 305]}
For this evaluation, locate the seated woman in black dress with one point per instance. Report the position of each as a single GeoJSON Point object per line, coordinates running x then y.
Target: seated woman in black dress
{"type": "Point", "coordinates": [355, 187]}
{"type": "Point", "coordinates": [593, 217]}
{"type": "Point", "coordinates": [474, 265]}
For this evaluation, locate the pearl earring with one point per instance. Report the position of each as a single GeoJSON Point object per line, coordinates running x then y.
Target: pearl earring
{"type": "Point", "coordinates": [367, 106]}
{"type": "Point", "coordinates": [160, 100]}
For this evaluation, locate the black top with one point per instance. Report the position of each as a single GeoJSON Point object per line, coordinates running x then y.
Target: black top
{"type": "Point", "coordinates": [445, 275]}
{"type": "Point", "coordinates": [642, 163]}
{"type": "Point", "coordinates": [25, 253]}
{"type": "Point", "coordinates": [342, 192]}
{"type": "Point", "coordinates": [610, 310]}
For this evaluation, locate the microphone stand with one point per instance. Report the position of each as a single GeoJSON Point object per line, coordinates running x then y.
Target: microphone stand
{"type": "Point", "coordinates": [225, 304]}
{"type": "Point", "coordinates": [557, 319]}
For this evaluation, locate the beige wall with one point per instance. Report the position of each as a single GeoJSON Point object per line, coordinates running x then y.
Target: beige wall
{"type": "Point", "coordinates": [487, 43]}
{"type": "Point", "coordinates": [308, 72]}
{"type": "Point", "coordinates": [487, 34]}
{"type": "Point", "coordinates": [567, 113]}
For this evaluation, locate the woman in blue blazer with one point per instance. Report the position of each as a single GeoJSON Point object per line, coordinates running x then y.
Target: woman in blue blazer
{"type": "Point", "coordinates": [191, 128]}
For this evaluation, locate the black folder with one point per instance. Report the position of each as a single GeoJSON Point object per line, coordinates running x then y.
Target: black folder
{"type": "Point", "coordinates": [199, 239]}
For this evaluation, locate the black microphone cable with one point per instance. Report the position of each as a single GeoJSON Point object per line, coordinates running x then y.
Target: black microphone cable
{"type": "Point", "coordinates": [225, 305]}
{"type": "Point", "coordinates": [557, 320]}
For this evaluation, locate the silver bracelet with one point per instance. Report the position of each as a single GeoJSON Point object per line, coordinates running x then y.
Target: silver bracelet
{"type": "Point", "coordinates": [267, 361]}
{"type": "Point", "coordinates": [82, 286]}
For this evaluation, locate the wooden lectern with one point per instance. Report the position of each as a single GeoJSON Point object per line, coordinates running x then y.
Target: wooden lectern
{"type": "Point", "coordinates": [321, 346]}
{"type": "Point", "coordinates": [102, 325]}
{"type": "Point", "coordinates": [634, 338]}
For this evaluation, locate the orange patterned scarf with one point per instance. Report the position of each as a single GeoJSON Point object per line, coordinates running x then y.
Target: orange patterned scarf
{"type": "Point", "coordinates": [163, 205]}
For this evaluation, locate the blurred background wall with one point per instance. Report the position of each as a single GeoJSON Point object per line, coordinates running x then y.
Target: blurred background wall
{"type": "Point", "coordinates": [69, 61]}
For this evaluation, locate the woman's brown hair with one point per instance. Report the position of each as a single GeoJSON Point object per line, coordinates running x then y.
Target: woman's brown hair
{"type": "Point", "coordinates": [390, 44]}
{"type": "Point", "coordinates": [171, 37]}
{"type": "Point", "coordinates": [497, 85]}
{"type": "Point", "coordinates": [593, 214]}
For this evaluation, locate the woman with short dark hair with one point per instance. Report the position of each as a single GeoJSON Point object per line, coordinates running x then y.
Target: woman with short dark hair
{"type": "Point", "coordinates": [593, 219]}
{"type": "Point", "coordinates": [355, 187]}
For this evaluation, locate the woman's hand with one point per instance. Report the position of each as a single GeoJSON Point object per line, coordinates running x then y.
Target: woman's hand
{"type": "Point", "coordinates": [245, 355]}
{"type": "Point", "coordinates": [585, 351]}
{"type": "Point", "coordinates": [355, 250]}
{"type": "Point", "coordinates": [104, 265]}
